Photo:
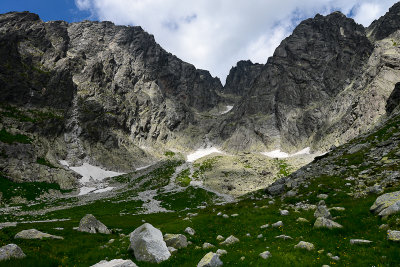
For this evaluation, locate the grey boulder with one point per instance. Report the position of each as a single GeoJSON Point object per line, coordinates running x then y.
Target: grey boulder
{"type": "Point", "coordinates": [90, 224]}
{"type": "Point", "coordinates": [11, 251]}
{"type": "Point", "coordinates": [35, 234]}
{"type": "Point", "coordinates": [387, 204]}
{"type": "Point", "coordinates": [322, 222]}
{"type": "Point", "coordinates": [211, 259]}
{"type": "Point", "coordinates": [176, 240]}
{"type": "Point", "coordinates": [147, 244]}
{"type": "Point", "coordinates": [115, 263]}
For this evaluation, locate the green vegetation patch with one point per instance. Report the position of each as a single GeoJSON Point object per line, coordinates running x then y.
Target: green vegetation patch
{"type": "Point", "coordinates": [28, 190]}
{"type": "Point", "coordinates": [183, 178]}
{"type": "Point", "coordinates": [10, 138]}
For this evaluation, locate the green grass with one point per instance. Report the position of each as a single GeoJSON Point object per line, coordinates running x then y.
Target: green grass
{"type": "Point", "coordinates": [283, 167]}
{"type": "Point", "coordinates": [169, 153]}
{"type": "Point", "coordinates": [183, 178]}
{"type": "Point", "coordinates": [29, 190]}
{"type": "Point", "coordinates": [10, 138]}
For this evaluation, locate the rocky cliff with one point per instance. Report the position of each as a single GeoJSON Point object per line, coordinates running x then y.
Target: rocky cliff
{"type": "Point", "coordinates": [325, 84]}
{"type": "Point", "coordinates": [113, 90]}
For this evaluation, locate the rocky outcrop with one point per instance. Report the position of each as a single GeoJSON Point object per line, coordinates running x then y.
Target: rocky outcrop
{"type": "Point", "coordinates": [11, 251]}
{"type": "Point", "coordinates": [385, 25]}
{"type": "Point", "coordinates": [241, 78]}
{"type": "Point", "coordinates": [147, 244]}
{"type": "Point", "coordinates": [394, 99]}
{"type": "Point", "coordinates": [387, 204]}
{"type": "Point", "coordinates": [90, 224]}
{"type": "Point", "coordinates": [211, 259]}
{"type": "Point", "coordinates": [176, 240]}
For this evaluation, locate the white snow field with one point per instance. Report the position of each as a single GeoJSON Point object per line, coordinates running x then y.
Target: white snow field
{"type": "Point", "coordinates": [280, 155]}
{"type": "Point", "coordinates": [202, 152]}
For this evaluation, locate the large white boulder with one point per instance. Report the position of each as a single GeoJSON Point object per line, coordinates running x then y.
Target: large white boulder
{"type": "Point", "coordinates": [11, 251]}
{"type": "Point", "coordinates": [147, 244]}
{"type": "Point", "coordinates": [115, 263]}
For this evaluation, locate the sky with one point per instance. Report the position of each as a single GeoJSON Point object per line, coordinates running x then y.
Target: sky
{"type": "Point", "coordinates": [210, 34]}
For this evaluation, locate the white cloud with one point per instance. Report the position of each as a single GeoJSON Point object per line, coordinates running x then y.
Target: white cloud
{"type": "Point", "coordinates": [215, 34]}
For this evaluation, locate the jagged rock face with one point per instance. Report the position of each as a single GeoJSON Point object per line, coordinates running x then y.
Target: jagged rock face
{"type": "Point", "coordinates": [394, 99]}
{"type": "Point", "coordinates": [117, 88]}
{"type": "Point", "coordinates": [242, 77]}
{"type": "Point", "coordinates": [385, 25]}
{"type": "Point", "coordinates": [324, 85]}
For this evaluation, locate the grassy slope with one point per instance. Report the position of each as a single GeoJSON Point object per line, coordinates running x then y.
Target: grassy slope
{"type": "Point", "coordinates": [81, 249]}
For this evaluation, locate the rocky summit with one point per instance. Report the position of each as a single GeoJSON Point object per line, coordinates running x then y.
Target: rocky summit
{"type": "Point", "coordinates": [114, 152]}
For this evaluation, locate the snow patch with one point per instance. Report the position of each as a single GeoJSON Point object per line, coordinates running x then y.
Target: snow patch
{"type": "Point", "coordinates": [102, 190]}
{"type": "Point", "coordinates": [93, 173]}
{"type": "Point", "coordinates": [86, 190]}
{"type": "Point", "coordinates": [64, 163]}
{"type": "Point", "coordinates": [280, 154]}
{"type": "Point", "coordinates": [228, 108]}
{"type": "Point", "coordinates": [202, 152]}
{"type": "Point", "coordinates": [142, 168]}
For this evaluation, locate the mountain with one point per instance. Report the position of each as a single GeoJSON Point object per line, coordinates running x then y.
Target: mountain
{"type": "Point", "coordinates": [325, 84]}
{"type": "Point", "coordinates": [110, 94]}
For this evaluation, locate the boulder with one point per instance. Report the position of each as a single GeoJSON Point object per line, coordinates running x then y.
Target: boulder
{"type": "Point", "coordinates": [11, 251]}
{"type": "Point", "coordinates": [277, 224]}
{"type": "Point", "coordinates": [322, 222]}
{"type": "Point", "coordinates": [230, 240]}
{"type": "Point", "coordinates": [221, 252]}
{"type": "Point", "coordinates": [359, 241]}
{"type": "Point", "coordinates": [35, 234]}
{"type": "Point", "coordinates": [90, 224]}
{"type": "Point", "coordinates": [284, 237]}
{"type": "Point", "coordinates": [190, 231]}
{"type": "Point", "coordinates": [305, 245]}
{"type": "Point", "coordinates": [176, 240]}
{"type": "Point", "coordinates": [284, 212]}
{"type": "Point", "coordinates": [387, 204]}
{"type": "Point", "coordinates": [393, 235]}
{"type": "Point", "coordinates": [265, 255]}
{"type": "Point", "coordinates": [211, 259]}
{"type": "Point", "coordinates": [115, 263]}
{"type": "Point", "coordinates": [207, 245]}
{"type": "Point", "coordinates": [147, 244]}
{"type": "Point", "coordinates": [322, 211]}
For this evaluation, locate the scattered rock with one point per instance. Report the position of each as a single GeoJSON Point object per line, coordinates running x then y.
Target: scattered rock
{"type": "Point", "coordinates": [322, 222]}
{"type": "Point", "coordinates": [303, 220]}
{"type": "Point", "coordinates": [260, 236]}
{"type": "Point", "coordinates": [277, 224]}
{"type": "Point", "coordinates": [264, 226]}
{"type": "Point", "coordinates": [265, 255]}
{"type": "Point", "coordinates": [322, 211]}
{"type": "Point", "coordinates": [35, 234]}
{"type": "Point", "coordinates": [221, 252]}
{"type": "Point", "coordinates": [305, 245]}
{"type": "Point", "coordinates": [387, 204]}
{"type": "Point", "coordinates": [176, 240]}
{"type": "Point", "coordinates": [90, 224]}
{"type": "Point", "coordinates": [234, 215]}
{"type": "Point", "coordinates": [225, 216]}
{"type": "Point", "coordinates": [284, 237]}
{"type": "Point", "coordinates": [322, 196]}
{"type": "Point", "coordinates": [190, 231]}
{"type": "Point", "coordinates": [11, 251]}
{"type": "Point", "coordinates": [208, 245]}
{"type": "Point", "coordinates": [359, 241]}
{"type": "Point", "coordinates": [284, 212]}
{"type": "Point", "coordinates": [393, 235]}
{"type": "Point", "coordinates": [220, 238]}
{"type": "Point", "coordinates": [211, 259]}
{"type": "Point", "coordinates": [115, 263]}
{"type": "Point", "coordinates": [230, 240]}
{"type": "Point", "coordinates": [7, 224]}
{"type": "Point", "coordinates": [147, 244]}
